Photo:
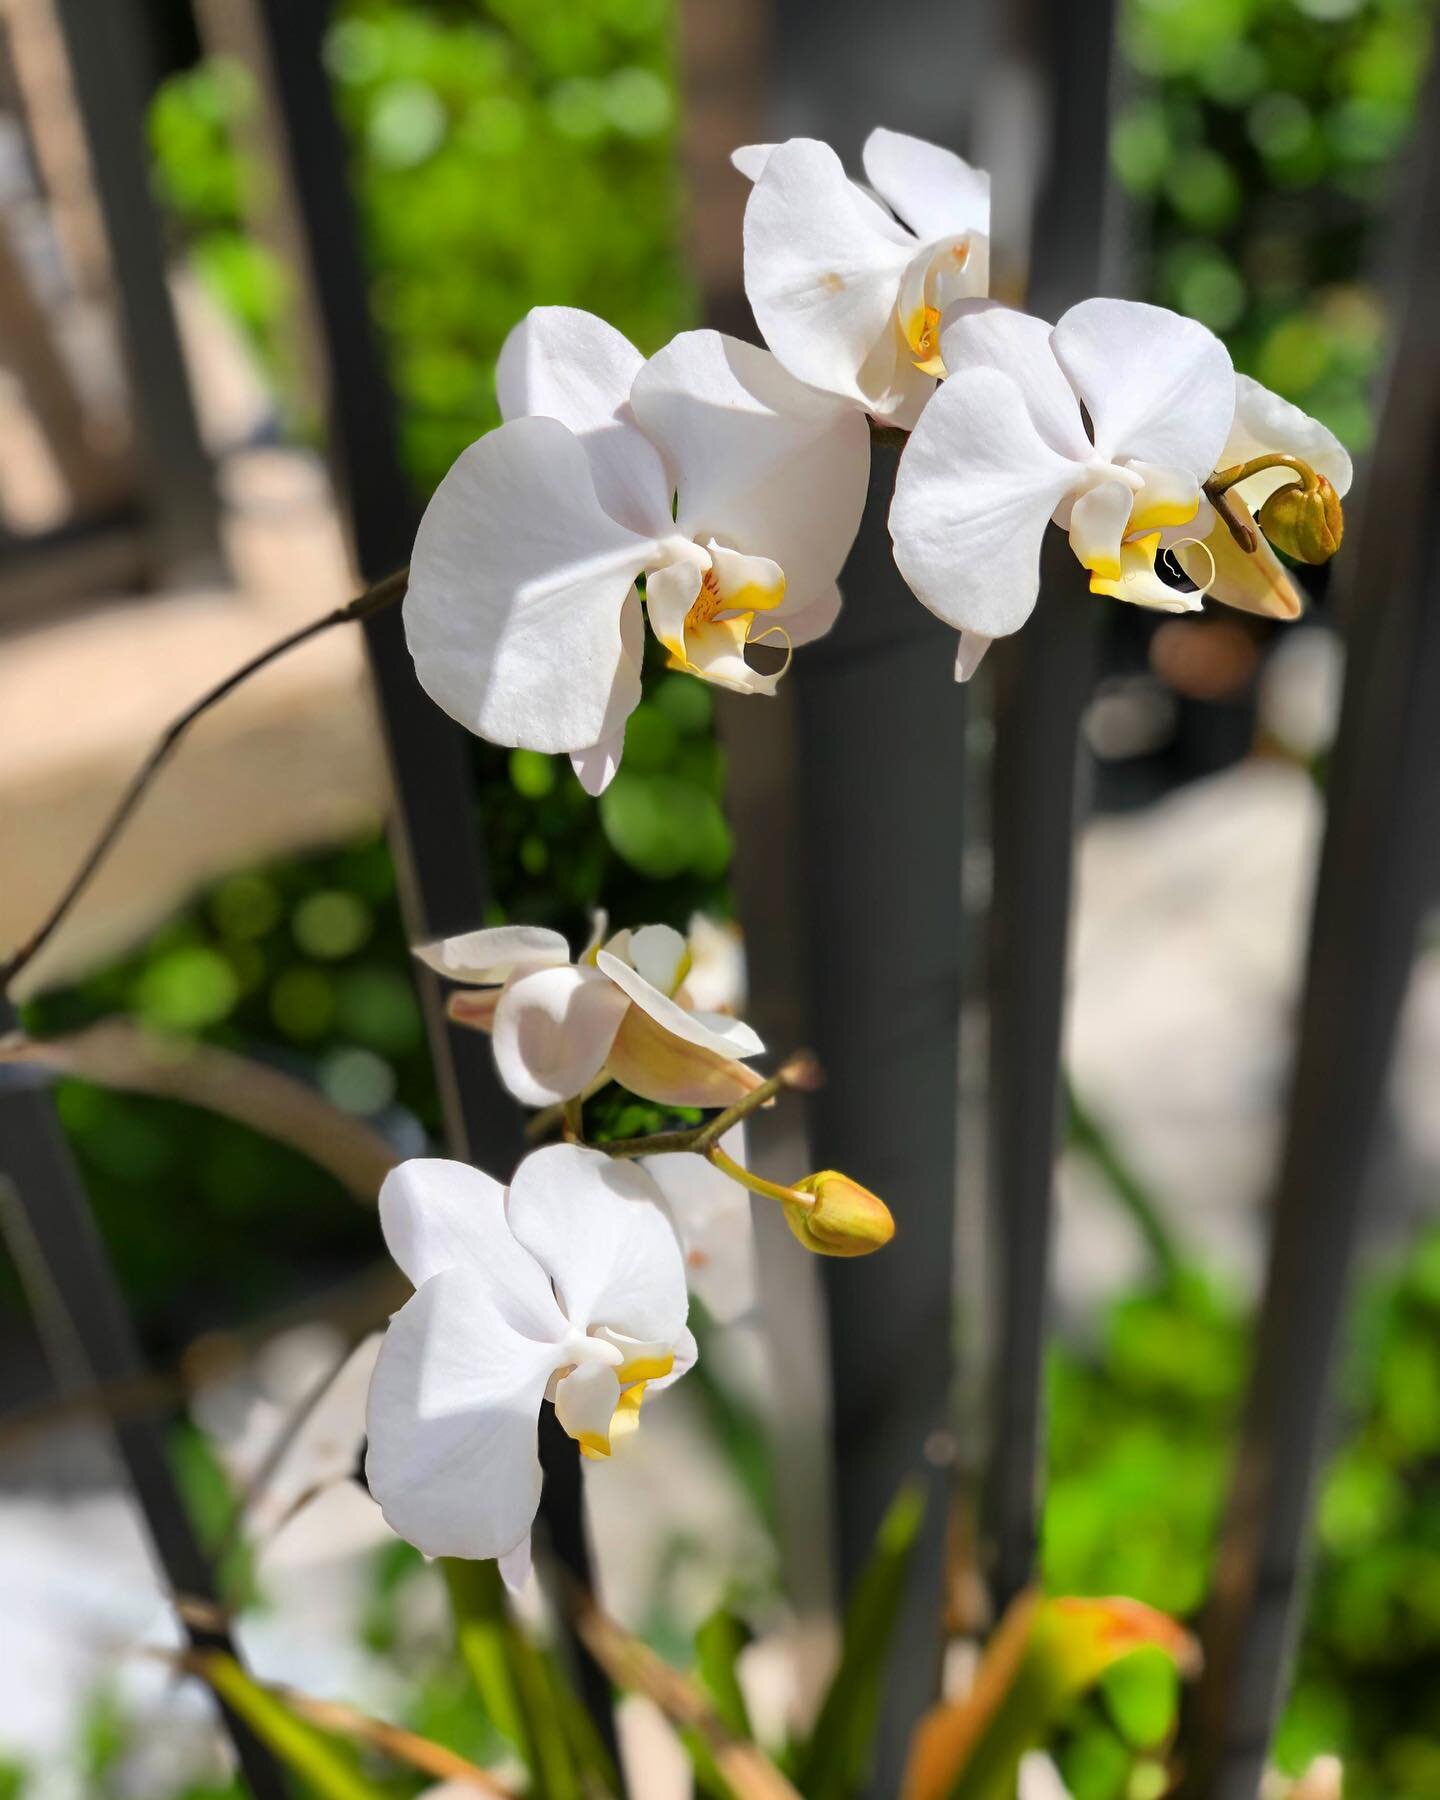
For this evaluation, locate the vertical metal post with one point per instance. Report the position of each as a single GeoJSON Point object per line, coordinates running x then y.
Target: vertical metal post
{"type": "Point", "coordinates": [877, 814]}
{"type": "Point", "coordinates": [1379, 871]}
{"type": "Point", "coordinates": [882, 729]}
{"type": "Point", "coordinates": [435, 826]}
{"type": "Point", "coordinates": [89, 1339]}
{"type": "Point", "coordinates": [1041, 680]}
{"type": "Point", "coordinates": [104, 46]}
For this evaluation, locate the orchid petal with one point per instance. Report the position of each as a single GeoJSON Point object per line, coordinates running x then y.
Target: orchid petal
{"type": "Point", "coordinates": [517, 587]}
{"type": "Point", "coordinates": [514, 1568]}
{"type": "Point", "coordinates": [659, 955]}
{"type": "Point", "coordinates": [1138, 581]}
{"type": "Point", "coordinates": [438, 1215]}
{"type": "Point", "coordinates": [983, 334]}
{"type": "Point", "coordinates": [729, 1037]}
{"type": "Point", "coordinates": [596, 1225]}
{"type": "Point", "coordinates": [474, 1008]}
{"type": "Point", "coordinates": [761, 463]}
{"type": "Point", "coordinates": [1250, 581]}
{"type": "Point", "coordinates": [711, 1216]}
{"type": "Point", "coordinates": [750, 159]}
{"type": "Point", "coordinates": [658, 1066]}
{"type": "Point", "coordinates": [1158, 387]}
{"type": "Point", "coordinates": [669, 594]}
{"type": "Point", "coordinates": [807, 623]}
{"type": "Point", "coordinates": [715, 651]}
{"type": "Point", "coordinates": [553, 1031]}
{"type": "Point", "coordinates": [969, 653]}
{"type": "Point", "coordinates": [715, 980]}
{"type": "Point", "coordinates": [452, 1418]}
{"type": "Point", "coordinates": [822, 266]}
{"type": "Point", "coordinates": [585, 1400]}
{"type": "Point", "coordinates": [1264, 425]}
{"type": "Point", "coordinates": [596, 767]}
{"type": "Point", "coordinates": [934, 191]}
{"type": "Point", "coordinates": [1169, 497]}
{"type": "Point", "coordinates": [489, 957]}
{"type": "Point", "coordinates": [974, 492]}
{"type": "Point", "coordinates": [562, 363]}
{"type": "Point", "coordinates": [1097, 523]}
{"type": "Point", "coordinates": [745, 583]}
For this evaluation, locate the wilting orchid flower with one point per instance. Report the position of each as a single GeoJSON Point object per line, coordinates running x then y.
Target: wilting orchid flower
{"type": "Point", "coordinates": [621, 1012]}
{"type": "Point", "coordinates": [729, 486]}
{"type": "Point", "coordinates": [849, 295]}
{"type": "Point", "coordinates": [1004, 447]}
{"type": "Point", "coordinates": [568, 1287]}
{"type": "Point", "coordinates": [1264, 425]}
{"type": "Point", "coordinates": [711, 1216]}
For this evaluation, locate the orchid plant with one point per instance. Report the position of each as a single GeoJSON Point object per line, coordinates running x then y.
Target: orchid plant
{"type": "Point", "coordinates": [713, 493]}
{"type": "Point", "coordinates": [710, 496]}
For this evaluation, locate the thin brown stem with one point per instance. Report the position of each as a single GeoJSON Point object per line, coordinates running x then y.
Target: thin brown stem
{"type": "Point", "coordinates": [631, 1664]}
{"type": "Point", "coordinates": [116, 1053]}
{"type": "Point", "coordinates": [375, 599]}
{"type": "Point", "coordinates": [1243, 533]}
{"type": "Point", "coordinates": [799, 1073]}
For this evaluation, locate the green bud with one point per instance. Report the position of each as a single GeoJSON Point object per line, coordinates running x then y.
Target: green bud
{"type": "Point", "coordinates": [846, 1219]}
{"type": "Point", "coordinates": [1306, 523]}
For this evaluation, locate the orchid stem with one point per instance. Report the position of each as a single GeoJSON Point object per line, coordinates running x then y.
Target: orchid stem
{"type": "Point", "coordinates": [375, 599]}
{"type": "Point", "coordinates": [552, 1118]}
{"type": "Point", "coordinates": [800, 1073]}
{"type": "Point", "coordinates": [1218, 486]}
{"type": "Point", "coordinates": [757, 1184]}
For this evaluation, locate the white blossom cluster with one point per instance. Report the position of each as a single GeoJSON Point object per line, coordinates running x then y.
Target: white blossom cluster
{"type": "Point", "coordinates": [712, 493]}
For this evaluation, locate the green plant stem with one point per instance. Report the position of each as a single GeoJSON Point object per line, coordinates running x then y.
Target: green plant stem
{"type": "Point", "coordinates": [799, 1073]}
{"type": "Point", "coordinates": [757, 1184]}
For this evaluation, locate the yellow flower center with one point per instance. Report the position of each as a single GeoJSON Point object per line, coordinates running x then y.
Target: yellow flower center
{"type": "Point", "coordinates": [922, 334]}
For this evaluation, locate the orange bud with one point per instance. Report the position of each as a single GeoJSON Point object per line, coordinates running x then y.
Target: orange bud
{"type": "Point", "coordinates": [846, 1219]}
{"type": "Point", "coordinates": [1306, 523]}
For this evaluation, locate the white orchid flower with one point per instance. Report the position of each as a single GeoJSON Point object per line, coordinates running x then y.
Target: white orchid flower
{"type": "Point", "coordinates": [1004, 448]}
{"type": "Point", "coordinates": [711, 1215]}
{"type": "Point", "coordinates": [848, 288]}
{"type": "Point", "coordinates": [1263, 425]}
{"type": "Point", "coordinates": [621, 1012]}
{"type": "Point", "coordinates": [733, 489]}
{"type": "Point", "coordinates": [717, 978]}
{"type": "Point", "coordinates": [569, 1287]}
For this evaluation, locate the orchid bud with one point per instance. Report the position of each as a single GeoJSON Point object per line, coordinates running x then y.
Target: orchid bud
{"type": "Point", "coordinates": [1306, 523]}
{"type": "Point", "coordinates": [846, 1219]}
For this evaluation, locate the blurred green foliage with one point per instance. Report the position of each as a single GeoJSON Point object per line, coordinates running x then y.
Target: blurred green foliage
{"type": "Point", "coordinates": [1141, 1429]}
{"type": "Point", "coordinates": [1258, 147]}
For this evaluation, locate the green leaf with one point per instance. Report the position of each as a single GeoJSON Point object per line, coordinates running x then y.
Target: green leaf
{"type": "Point", "coordinates": [520, 1688]}
{"type": "Point", "coordinates": [833, 1763]}
{"type": "Point", "coordinates": [1142, 1693]}
{"type": "Point", "coordinates": [1043, 1656]}
{"type": "Point", "coordinates": [718, 1644]}
{"type": "Point", "coordinates": [322, 1761]}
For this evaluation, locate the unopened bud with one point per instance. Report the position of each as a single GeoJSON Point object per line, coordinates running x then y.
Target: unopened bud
{"type": "Point", "coordinates": [1306, 523]}
{"type": "Point", "coordinates": [846, 1219]}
